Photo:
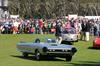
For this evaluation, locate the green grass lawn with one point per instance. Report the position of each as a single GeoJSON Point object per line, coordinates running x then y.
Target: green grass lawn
{"type": "Point", "coordinates": [9, 56]}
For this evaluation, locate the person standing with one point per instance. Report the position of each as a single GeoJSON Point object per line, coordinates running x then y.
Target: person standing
{"type": "Point", "coordinates": [37, 27]}
{"type": "Point", "coordinates": [40, 26]}
{"type": "Point", "coordinates": [95, 26]}
{"type": "Point", "coordinates": [58, 32]}
{"type": "Point", "coordinates": [87, 30]}
{"type": "Point", "coordinates": [98, 29]}
{"type": "Point", "coordinates": [83, 25]}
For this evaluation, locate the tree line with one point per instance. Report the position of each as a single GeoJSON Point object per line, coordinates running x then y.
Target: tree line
{"type": "Point", "coordinates": [53, 8]}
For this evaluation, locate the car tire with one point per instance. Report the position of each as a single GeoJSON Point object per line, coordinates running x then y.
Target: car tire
{"type": "Point", "coordinates": [68, 58]}
{"type": "Point", "coordinates": [25, 54]}
{"type": "Point", "coordinates": [67, 42]}
{"type": "Point", "coordinates": [37, 55]}
{"type": "Point", "coordinates": [76, 40]}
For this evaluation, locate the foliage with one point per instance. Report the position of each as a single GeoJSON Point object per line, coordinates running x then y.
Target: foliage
{"type": "Point", "coordinates": [53, 8]}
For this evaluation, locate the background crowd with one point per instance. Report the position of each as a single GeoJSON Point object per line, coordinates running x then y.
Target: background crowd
{"type": "Point", "coordinates": [27, 26]}
{"type": "Point", "coordinates": [82, 26]}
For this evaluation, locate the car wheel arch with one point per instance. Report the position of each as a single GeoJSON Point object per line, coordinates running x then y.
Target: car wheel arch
{"type": "Point", "coordinates": [36, 50]}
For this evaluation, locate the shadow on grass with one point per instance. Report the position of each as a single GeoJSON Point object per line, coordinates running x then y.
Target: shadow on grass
{"type": "Point", "coordinates": [33, 58]}
{"type": "Point", "coordinates": [93, 48]}
{"type": "Point", "coordinates": [85, 63]}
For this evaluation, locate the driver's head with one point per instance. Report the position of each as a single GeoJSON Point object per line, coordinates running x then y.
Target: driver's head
{"type": "Point", "coordinates": [37, 40]}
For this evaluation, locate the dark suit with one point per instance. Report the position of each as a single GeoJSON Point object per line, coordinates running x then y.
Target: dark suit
{"type": "Point", "coordinates": [58, 30]}
{"type": "Point", "coordinates": [58, 34]}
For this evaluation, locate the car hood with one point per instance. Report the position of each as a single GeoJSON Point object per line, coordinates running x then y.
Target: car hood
{"type": "Point", "coordinates": [48, 45]}
{"type": "Point", "coordinates": [69, 35]}
{"type": "Point", "coordinates": [58, 46]}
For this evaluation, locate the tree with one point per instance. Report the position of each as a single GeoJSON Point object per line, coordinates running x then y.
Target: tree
{"type": "Point", "coordinates": [52, 8]}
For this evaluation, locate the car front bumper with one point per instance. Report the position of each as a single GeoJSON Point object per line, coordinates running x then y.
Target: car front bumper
{"type": "Point", "coordinates": [59, 54]}
{"type": "Point", "coordinates": [70, 40]}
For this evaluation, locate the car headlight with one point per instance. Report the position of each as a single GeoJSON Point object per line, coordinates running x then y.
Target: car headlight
{"type": "Point", "coordinates": [50, 50]}
{"type": "Point", "coordinates": [53, 50]}
{"type": "Point", "coordinates": [45, 49]}
{"type": "Point", "coordinates": [74, 49]}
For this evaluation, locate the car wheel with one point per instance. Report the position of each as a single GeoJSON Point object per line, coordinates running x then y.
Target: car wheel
{"type": "Point", "coordinates": [68, 58]}
{"type": "Point", "coordinates": [37, 55]}
{"type": "Point", "coordinates": [76, 40]}
{"type": "Point", "coordinates": [25, 54]}
{"type": "Point", "coordinates": [67, 42]}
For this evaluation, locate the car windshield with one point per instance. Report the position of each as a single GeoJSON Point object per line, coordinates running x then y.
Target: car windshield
{"type": "Point", "coordinates": [69, 31]}
{"type": "Point", "coordinates": [51, 41]}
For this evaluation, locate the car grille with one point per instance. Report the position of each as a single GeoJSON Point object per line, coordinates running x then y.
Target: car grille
{"type": "Point", "coordinates": [58, 50]}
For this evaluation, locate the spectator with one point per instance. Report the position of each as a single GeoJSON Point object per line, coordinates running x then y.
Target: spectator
{"type": "Point", "coordinates": [49, 27]}
{"type": "Point", "coordinates": [83, 30]}
{"type": "Point", "coordinates": [37, 27]}
{"type": "Point", "coordinates": [98, 29]}
{"type": "Point", "coordinates": [53, 30]}
{"type": "Point", "coordinates": [95, 28]}
{"type": "Point", "coordinates": [45, 28]}
{"type": "Point", "coordinates": [40, 26]}
{"type": "Point", "coordinates": [58, 33]}
{"type": "Point", "coordinates": [87, 32]}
